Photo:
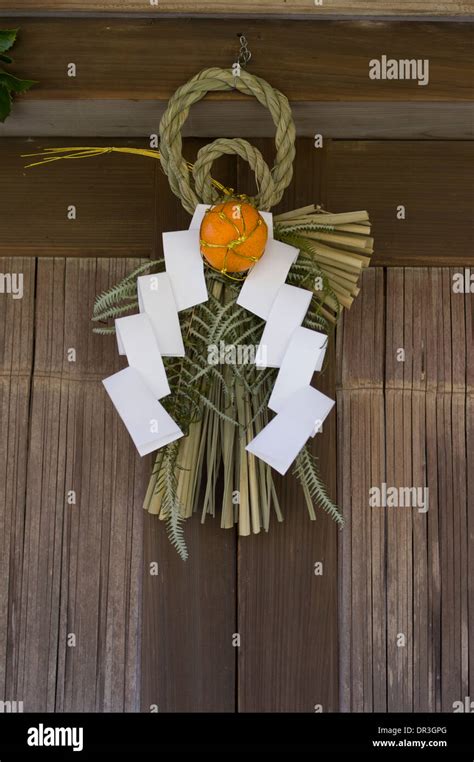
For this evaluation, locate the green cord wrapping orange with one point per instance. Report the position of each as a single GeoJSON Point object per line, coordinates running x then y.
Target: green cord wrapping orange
{"type": "Point", "coordinates": [233, 236]}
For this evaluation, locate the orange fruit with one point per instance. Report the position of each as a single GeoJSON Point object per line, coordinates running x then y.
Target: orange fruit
{"type": "Point", "coordinates": [233, 236]}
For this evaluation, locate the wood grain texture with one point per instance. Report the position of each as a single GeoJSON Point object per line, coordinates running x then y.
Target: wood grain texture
{"type": "Point", "coordinates": [78, 567]}
{"type": "Point", "coordinates": [140, 119]}
{"type": "Point", "coordinates": [147, 60]}
{"type": "Point", "coordinates": [469, 318]}
{"type": "Point", "coordinates": [229, 7]}
{"type": "Point", "coordinates": [114, 201]}
{"type": "Point", "coordinates": [414, 436]}
{"type": "Point", "coordinates": [124, 203]}
{"type": "Point", "coordinates": [188, 661]}
{"type": "Point", "coordinates": [287, 616]}
{"type": "Point", "coordinates": [430, 179]}
{"type": "Point", "coordinates": [361, 462]}
{"type": "Point", "coordinates": [16, 361]}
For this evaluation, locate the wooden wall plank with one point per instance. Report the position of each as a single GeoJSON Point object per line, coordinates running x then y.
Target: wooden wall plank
{"type": "Point", "coordinates": [287, 616]}
{"type": "Point", "coordinates": [188, 662]}
{"type": "Point", "coordinates": [113, 196]}
{"type": "Point", "coordinates": [430, 179]}
{"type": "Point", "coordinates": [398, 474]}
{"type": "Point", "coordinates": [469, 316]}
{"type": "Point", "coordinates": [452, 459]}
{"type": "Point", "coordinates": [143, 59]}
{"type": "Point", "coordinates": [139, 119]}
{"type": "Point", "coordinates": [82, 563]}
{"type": "Point", "coordinates": [16, 359]}
{"type": "Point", "coordinates": [361, 430]}
{"type": "Point", "coordinates": [286, 7]}
{"type": "Point", "coordinates": [426, 554]}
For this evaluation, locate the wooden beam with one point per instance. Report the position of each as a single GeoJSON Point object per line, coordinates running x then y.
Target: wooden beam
{"type": "Point", "coordinates": [113, 200]}
{"type": "Point", "coordinates": [132, 119]}
{"type": "Point", "coordinates": [287, 7]}
{"type": "Point", "coordinates": [327, 61]}
{"type": "Point", "coordinates": [430, 179]}
{"type": "Point", "coordinates": [123, 203]}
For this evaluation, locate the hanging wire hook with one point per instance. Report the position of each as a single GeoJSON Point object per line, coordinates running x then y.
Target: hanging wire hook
{"type": "Point", "coordinates": [244, 53]}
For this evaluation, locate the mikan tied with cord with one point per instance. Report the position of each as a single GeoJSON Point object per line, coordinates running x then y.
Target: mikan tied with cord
{"type": "Point", "coordinates": [233, 236]}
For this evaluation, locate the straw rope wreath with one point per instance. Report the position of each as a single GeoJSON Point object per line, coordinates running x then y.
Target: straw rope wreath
{"type": "Point", "coordinates": [271, 184]}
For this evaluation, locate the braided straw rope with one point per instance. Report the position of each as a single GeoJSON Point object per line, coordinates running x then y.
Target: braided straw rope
{"type": "Point", "coordinates": [271, 184]}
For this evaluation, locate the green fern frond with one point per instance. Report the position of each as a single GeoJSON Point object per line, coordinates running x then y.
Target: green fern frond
{"type": "Point", "coordinates": [104, 330]}
{"type": "Point", "coordinates": [306, 471]}
{"type": "Point", "coordinates": [114, 312]}
{"type": "Point", "coordinates": [220, 413]}
{"type": "Point", "coordinates": [114, 294]}
{"type": "Point", "coordinates": [170, 503]}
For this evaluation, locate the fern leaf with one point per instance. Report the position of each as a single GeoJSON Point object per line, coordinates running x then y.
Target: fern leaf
{"type": "Point", "coordinates": [113, 312]}
{"type": "Point", "coordinates": [307, 473]}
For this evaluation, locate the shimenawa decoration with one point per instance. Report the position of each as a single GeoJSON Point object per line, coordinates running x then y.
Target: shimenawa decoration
{"type": "Point", "coordinates": [230, 326]}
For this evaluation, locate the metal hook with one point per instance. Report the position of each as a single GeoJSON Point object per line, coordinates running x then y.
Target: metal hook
{"type": "Point", "coordinates": [244, 53]}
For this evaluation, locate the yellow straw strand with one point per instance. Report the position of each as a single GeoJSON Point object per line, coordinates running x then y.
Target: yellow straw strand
{"type": "Point", "coordinates": [85, 152]}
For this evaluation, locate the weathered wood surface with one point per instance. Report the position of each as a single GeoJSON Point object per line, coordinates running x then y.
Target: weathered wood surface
{"type": "Point", "coordinates": [71, 597]}
{"type": "Point", "coordinates": [277, 7]}
{"type": "Point", "coordinates": [147, 60]}
{"type": "Point", "coordinates": [401, 572]}
{"type": "Point", "coordinates": [430, 179]}
{"type": "Point", "coordinates": [140, 119]}
{"type": "Point", "coordinates": [113, 196]}
{"type": "Point", "coordinates": [123, 203]}
{"type": "Point", "coordinates": [16, 360]}
{"type": "Point", "coordinates": [188, 661]}
{"type": "Point", "coordinates": [404, 580]}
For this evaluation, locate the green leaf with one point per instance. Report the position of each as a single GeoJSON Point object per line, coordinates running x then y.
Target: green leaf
{"type": "Point", "coordinates": [5, 103]}
{"type": "Point", "coordinates": [15, 85]}
{"type": "Point", "coordinates": [7, 39]}
{"type": "Point", "coordinates": [5, 59]}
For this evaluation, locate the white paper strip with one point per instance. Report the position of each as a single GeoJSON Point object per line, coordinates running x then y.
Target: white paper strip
{"type": "Point", "coordinates": [297, 366]}
{"type": "Point", "coordinates": [198, 216]}
{"type": "Point", "coordinates": [155, 298]}
{"type": "Point", "coordinates": [201, 209]}
{"type": "Point", "coordinates": [137, 338]}
{"type": "Point", "coordinates": [261, 285]}
{"type": "Point", "coordinates": [287, 313]}
{"type": "Point", "coordinates": [120, 346]}
{"type": "Point", "coordinates": [281, 440]}
{"type": "Point", "coordinates": [148, 423]}
{"type": "Point", "coordinates": [322, 352]}
{"type": "Point", "coordinates": [185, 268]}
